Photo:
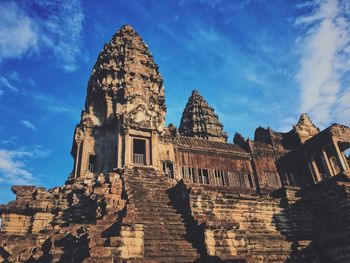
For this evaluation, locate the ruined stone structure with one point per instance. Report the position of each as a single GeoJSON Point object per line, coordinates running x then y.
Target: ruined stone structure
{"type": "Point", "coordinates": [143, 192]}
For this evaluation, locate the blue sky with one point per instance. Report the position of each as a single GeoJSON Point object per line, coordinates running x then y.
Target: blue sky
{"type": "Point", "coordinates": [257, 62]}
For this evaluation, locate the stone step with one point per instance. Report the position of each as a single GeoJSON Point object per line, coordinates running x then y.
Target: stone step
{"type": "Point", "coordinates": [165, 238]}
{"type": "Point", "coordinates": [157, 212]}
{"type": "Point", "coordinates": [165, 215]}
{"type": "Point", "coordinates": [153, 221]}
{"type": "Point", "coordinates": [165, 228]}
{"type": "Point", "coordinates": [148, 202]}
{"type": "Point", "coordinates": [175, 259]}
{"type": "Point", "coordinates": [170, 247]}
{"type": "Point", "coordinates": [170, 252]}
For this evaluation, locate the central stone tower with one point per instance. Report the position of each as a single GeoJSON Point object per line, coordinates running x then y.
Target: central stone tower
{"type": "Point", "coordinates": [124, 109]}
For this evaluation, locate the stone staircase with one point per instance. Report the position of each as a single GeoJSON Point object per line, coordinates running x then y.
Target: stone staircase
{"type": "Point", "coordinates": [164, 231]}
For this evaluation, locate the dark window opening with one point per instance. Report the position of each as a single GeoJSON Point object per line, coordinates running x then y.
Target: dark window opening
{"type": "Point", "coordinates": [223, 178]}
{"type": "Point", "coordinates": [321, 166]}
{"type": "Point", "coordinates": [139, 151]}
{"type": "Point", "coordinates": [205, 175]}
{"type": "Point", "coordinates": [334, 163]}
{"type": "Point", "coordinates": [168, 169]}
{"type": "Point", "coordinates": [200, 177]}
{"type": "Point", "coordinates": [312, 171]}
{"type": "Point", "coordinates": [250, 181]}
{"type": "Point", "coordinates": [92, 163]}
{"type": "Point", "coordinates": [216, 178]}
{"type": "Point", "coordinates": [219, 177]}
{"type": "Point", "coordinates": [291, 179]}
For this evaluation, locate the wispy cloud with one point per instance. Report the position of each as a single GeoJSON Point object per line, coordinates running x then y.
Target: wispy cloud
{"type": "Point", "coordinates": [10, 141]}
{"type": "Point", "coordinates": [6, 83]}
{"type": "Point", "coordinates": [24, 31]}
{"type": "Point", "coordinates": [324, 60]}
{"type": "Point", "coordinates": [18, 32]}
{"type": "Point", "coordinates": [27, 124]}
{"type": "Point", "coordinates": [63, 30]}
{"type": "Point", "coordinates": [13, 164]}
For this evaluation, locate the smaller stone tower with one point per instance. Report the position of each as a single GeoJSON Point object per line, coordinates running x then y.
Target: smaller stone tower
{"type": "Point", "coordinates": [199, 120]}
{"type": "Point", "coordinates": [305, 128]}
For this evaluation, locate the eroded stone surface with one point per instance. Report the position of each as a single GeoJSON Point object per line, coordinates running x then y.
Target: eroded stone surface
{"type": "Point", "coordinates": [64, 224]}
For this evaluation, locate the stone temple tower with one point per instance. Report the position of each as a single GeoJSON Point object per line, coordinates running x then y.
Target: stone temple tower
{"type": "Point", "coordinates": [124, 109]}
{"type": "Point", "coordinates": [199, 120]}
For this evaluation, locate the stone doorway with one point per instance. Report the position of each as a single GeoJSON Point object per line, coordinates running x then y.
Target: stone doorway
{"type": "Point", "coordinates": [139, 151]}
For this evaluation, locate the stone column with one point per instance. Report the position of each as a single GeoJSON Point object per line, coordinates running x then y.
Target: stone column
{"type": "Point", "coordinates": [345, 160]}
{"type": "Point", "coordinates": [148, 152]}
{"type": "Point", "coordinates": [154, 149]}
{"type": "Point", "coordinates": [77, 158]}
{"type": "Point", "coordinates": [326, 160]}
{"type": "Point", "coordinates": [127, 148]}
{"type": "Point", "coordinates": [339, 156]}
{"type": "Point", "coordinates": [119, 146]}
{"type": "Point", "coordinates": [312, 171]}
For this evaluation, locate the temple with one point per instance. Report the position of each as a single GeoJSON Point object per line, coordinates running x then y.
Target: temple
{"type": "Point", "coordinates": [141, 191]}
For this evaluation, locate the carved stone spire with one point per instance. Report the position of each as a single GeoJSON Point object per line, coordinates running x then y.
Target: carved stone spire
{"type": "Point", "coordinates": [125, 93]}
{"type": "Point", "coordinates": [125, 84]}
{"type": "Point", "coordinates": [305, 128]}
{"type": "Point", "coordinates": [199, 120]}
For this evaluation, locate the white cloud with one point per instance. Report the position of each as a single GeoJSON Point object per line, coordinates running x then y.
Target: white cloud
{"type": "Point", "coordinates": [342, 110]}
{"type": "Point", "coordinates": [24, 31]}
{"type": "Point", "coordinates": [324, 60]}
{"type": "Point", "coordinates": [13, 164]}
{"type": "Point", "coordinates": [62, 30]}
{"type": "Point", "coordinates": [27, 124]}
{"type": "Point", "coordinates": [6, 83]}
{"type": "Point", "coordinates": [18, 34]}
{"type": "Point", "coordinates": [305, 4]}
